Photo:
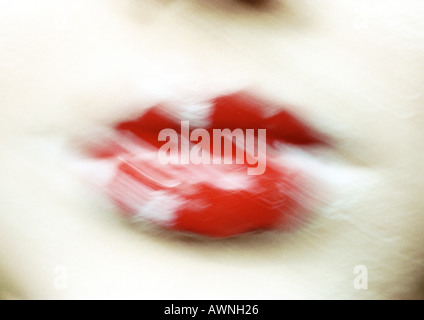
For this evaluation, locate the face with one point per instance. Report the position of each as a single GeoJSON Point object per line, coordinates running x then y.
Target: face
{"type": "Point", "coordinates": [351, 70]}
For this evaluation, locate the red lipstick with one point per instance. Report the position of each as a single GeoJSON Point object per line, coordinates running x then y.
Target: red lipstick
{"type": "Point", "coordinates": [209, 199]}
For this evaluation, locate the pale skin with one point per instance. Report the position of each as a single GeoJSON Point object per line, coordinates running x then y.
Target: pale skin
{"type": "Point", "coordinates": [351, 69]}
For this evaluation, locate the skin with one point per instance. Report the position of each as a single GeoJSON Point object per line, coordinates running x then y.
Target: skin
{"type": "Point", "coordinates": [351, 69]}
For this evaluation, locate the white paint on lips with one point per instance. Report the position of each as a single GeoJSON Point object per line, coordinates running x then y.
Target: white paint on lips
{"type": "Point", "coordinates": [161, 207]}
{"type": "Point", "coordinates": [197, 111]}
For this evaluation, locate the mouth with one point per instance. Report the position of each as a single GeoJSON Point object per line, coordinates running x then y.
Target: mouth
{"type": "Point", "coordinates": [185, 181]}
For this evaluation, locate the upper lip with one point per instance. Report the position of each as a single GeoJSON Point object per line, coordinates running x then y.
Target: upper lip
{"type": "Point", "coordinates": [238, 110]}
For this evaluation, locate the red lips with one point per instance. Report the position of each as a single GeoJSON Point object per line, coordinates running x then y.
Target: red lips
{"type": "Point", "coordinates": [216, 200]}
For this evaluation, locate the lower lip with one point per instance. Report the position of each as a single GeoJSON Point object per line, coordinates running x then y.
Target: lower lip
{"type": "Point", "coordinates": [208, 199]}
